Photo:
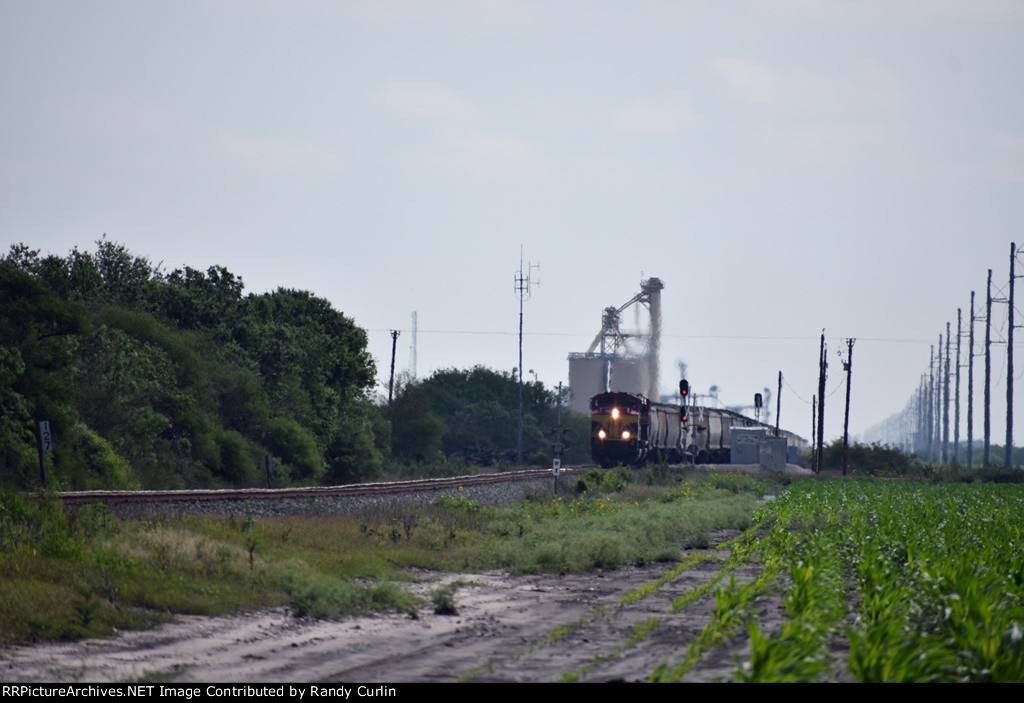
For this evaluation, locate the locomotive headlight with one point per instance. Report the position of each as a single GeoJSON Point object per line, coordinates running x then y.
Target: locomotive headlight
{"type": "Point", "coordinates": [615, 413]}
{"type": "Point", "coordinates": [602, 434]}
{"type": "Point", "coordinates": [625, 434]}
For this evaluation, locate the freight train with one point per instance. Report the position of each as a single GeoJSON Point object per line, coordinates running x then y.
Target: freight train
{"type": "Point", "coordinates": [627, 428]}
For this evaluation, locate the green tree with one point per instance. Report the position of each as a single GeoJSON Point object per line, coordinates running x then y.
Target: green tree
{"type": "Point", "coordinates": [480, 408]}
{"type": "Point", "coordinates": [38, 337]}
{"type": "Point", "coordinates": [17, 450]}
{"type": "Point", "coordinates": [193, 300]}
{"type": "Point", "coordinates": [177, 377]}
{"type": "Point", "coordinates": [416, 431]}
{"type": "Point", "coordinates": [360, 447]}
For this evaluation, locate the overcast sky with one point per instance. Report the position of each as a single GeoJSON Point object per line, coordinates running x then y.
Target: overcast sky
{"type": "Point", "coordinates": [783, 167]}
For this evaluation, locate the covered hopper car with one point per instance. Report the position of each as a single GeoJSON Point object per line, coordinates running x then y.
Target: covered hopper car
{"type": "Point", "coordinates": [627, 428]}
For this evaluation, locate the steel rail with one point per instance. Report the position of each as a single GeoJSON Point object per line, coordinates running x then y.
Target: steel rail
{"type": "Point", "coordinates": [359, 489]}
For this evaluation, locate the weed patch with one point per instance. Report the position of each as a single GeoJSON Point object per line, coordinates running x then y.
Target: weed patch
{"type": "Point", "coordinates": [85, 572]}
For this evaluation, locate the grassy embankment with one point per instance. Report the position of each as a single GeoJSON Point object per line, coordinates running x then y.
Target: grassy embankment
{"type": "Point", "coordinates": [84, 573]}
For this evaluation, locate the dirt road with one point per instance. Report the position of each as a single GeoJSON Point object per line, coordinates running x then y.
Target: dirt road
{"type": "Point", "coordinates": [533, 628]}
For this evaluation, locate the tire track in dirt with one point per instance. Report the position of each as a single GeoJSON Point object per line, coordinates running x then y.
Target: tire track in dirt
{"type": "Point", "coordinates": [502, 633]}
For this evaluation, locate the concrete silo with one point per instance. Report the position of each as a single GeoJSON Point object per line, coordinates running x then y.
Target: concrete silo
{"type": "Point", "coordinates": [618, 360]}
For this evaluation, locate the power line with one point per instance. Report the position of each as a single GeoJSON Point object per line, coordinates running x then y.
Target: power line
{"type": "Point", "coordinates": [895, 340]}
{"type": "Point", "coordinates": [802, 399]}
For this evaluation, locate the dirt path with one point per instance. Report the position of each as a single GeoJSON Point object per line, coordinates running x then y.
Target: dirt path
{"type": "Point", "coordinates": [508, 628]}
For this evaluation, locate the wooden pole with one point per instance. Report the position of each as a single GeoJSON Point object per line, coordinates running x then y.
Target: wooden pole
{"type": "Point", "coordinates": [848, 366]}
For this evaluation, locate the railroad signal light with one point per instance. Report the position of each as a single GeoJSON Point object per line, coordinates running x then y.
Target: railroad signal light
{"type": "Point", "coordinates": [757, 401]}
{"type": "Point", "coordinates": [684, 395]}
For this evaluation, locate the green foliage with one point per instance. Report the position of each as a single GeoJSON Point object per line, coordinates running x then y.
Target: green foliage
{"type": "Point", "coordinates": [318, 596]}
{"type": "Point", "coordinates": [936, 599]}
{"type": "Point", "coordinates": [42, 523]}
{"type": "Point", "coordinates": [312, 358]}
{"type": "Point", "coordinates": [474, 414]}
{"type": "Point", "coordinates": [656, 473]}
{"type": "Point", "coordinates": [598, 481]}
{"type": "Point", "coordinates": [992, 474]}
{"type": "Point", "coordinates": [122, 385]}
{"type": "Point", "coordinates": [242, 402]}
{"type": "Point", "coordinates": [870, 459]}
{"type": "Point", "coordinates": [194, 300]}
{"type": "Point", "coordinates": [457, 503]}
{"type": "Point", "coordinates": [189, 382]}
{"type": "Point", "coordinates": [38, 338]}
{"type": "Point", "coordinates": [170, 380]}
{"type": "Point", "coordinates": [584, 533]}
{"type": "Point", "coordinates": [791, 658]}
{"type": "Point", "coordinates": [17, 441]}
{"type": "Point", "coordinates": [443, 598]}
{"type": "Point", "coordinates": [240, 461]}
{"type": "Point", "coordinates": [416, 430]}
{"type": "Point", "coordinates": [357, 451]}
{"type": "Point", "coordinates": [92, 463]}
{"type": "Point", "coordinates": [83, 572]}
{"type": "Point", "coordinates": [742, 482]}
{"type": "Point", "coordinates": [295, 447]}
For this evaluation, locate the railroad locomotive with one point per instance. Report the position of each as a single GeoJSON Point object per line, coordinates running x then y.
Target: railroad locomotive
{"type": "Point", "coordinates": [627, 428]}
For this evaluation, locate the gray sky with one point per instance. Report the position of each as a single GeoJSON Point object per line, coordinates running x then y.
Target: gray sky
{"type": "Point", "coordinates": [782, 166]}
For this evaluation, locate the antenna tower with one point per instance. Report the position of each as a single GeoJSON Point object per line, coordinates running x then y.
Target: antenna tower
{"type": "Point", "coordinates": [412, 347]}
{"type": "Point", "coordinates": [522, 289]}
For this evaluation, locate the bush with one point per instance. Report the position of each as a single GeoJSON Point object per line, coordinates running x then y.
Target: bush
{"type": "Point", "coordinates": [444, 598]}
{"type": "Point", "coordinates": [240, 460]}
{"type": "Point", "coordinates": [460, 503]}
{"type": "Point", "coordinates": [597, 481]}
{"type": "Point", "coordinates": [55, 536]}
{"type": "Point", "coordinates": [870, 459]}
{"type": "Point", "coordinates": [312, 594]}
{"type": "Point", "coordinates": [295, 447]}
{"type": "Point", "coordinates": [992, 474]}
{"type": "Point", "coordinates": [89, 462]}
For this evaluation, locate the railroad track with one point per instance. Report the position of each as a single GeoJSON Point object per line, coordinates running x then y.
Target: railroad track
{"type": "Point", "coordinates": [488, 488]}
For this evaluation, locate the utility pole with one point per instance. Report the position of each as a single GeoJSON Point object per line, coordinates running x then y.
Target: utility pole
{"type": "Point", "coordinates": [412, 347]}
{"type": "Point", "coordinates": [522, 289]}
{"type": "Point", "coordinates": [924, 415]}
{"type": "Point", "coordinates": [970, 389]}
{"type": "Point", "coordinates": [988, 364]}
{"type": "Point", "coordinates": [926, 400]}
{"type": "Point", "coordinates": [931, 405]}
{"type": "Point", "coordinates": [391, 383]}
{"type": "Point", "coordinates": [1009, 364]}
{"type": "Point", "coordinates": [956, 402]}
{"type": "Point", "coordinates": [814, 433]}
{"type": "Point", "coordinates": [778, 404]}
{"type": "Point", "coordinates": [945, 402]}
{"type": "Point", "coordinates": [937, 400]}
{"type": "Point", "coordinates": [848, 367]}
{"type": "Point", "coordinates": [822, 373]}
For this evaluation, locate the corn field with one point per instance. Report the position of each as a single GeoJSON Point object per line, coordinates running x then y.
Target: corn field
{"type": "Point", "coordinates": [881, 581]}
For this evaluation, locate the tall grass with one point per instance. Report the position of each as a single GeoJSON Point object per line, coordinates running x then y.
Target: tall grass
{"type": "Point", "coordinates": [85, 572]}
